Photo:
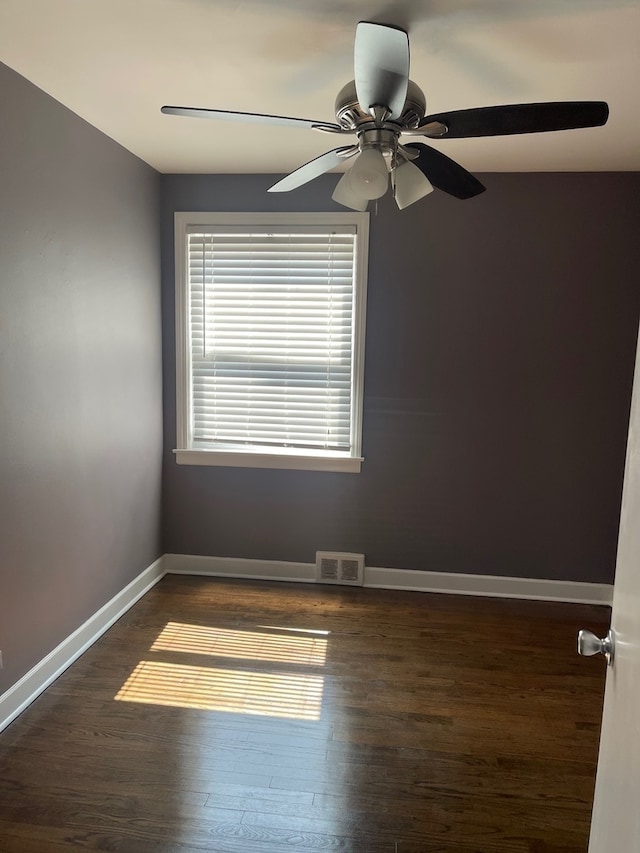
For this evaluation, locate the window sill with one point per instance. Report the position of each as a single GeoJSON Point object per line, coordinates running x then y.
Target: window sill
{"type": "Point", "coordinates": [282, 460]}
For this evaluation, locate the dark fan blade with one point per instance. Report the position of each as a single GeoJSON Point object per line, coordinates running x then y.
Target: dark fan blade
{"type": "Point", "coordinates": [381, 59]}
{"type": "Point", "coordinates": [521, 118]}
{"type": "Point", "coordinates": [444, 173]}
{"type": "Point", "coordinates": [225, 115]}
{"type": "Point", "coordinates": [313, 169]}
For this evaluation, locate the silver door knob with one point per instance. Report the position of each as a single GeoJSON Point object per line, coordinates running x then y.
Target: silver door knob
{"type": "Point", "coordinates": [589, 644]}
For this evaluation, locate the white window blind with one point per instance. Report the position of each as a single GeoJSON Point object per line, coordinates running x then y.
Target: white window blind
{"type": "Point", "coordinates": [272, 337]}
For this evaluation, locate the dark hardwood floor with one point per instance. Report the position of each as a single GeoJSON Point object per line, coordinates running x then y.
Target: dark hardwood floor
{"type": "Point", "coordinates": [253, 717]}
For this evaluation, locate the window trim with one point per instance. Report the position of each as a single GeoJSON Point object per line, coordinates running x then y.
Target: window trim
{"type": "Point", "coordinates": [188, 452]}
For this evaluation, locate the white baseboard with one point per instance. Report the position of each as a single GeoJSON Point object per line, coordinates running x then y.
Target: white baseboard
{"type": "Point", "coordinates": [31, 685]}
{"type": "Point", "coordinates": [238, 567]}
{"type": "Point", "coordinates": [493, 586]}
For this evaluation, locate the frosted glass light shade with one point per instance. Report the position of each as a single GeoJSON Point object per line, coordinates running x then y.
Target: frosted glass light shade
{"type": "Point", "coordinates": [344, 195]}
{"type": "Point", "coordinates": [411, 185]}
{"type": "Point", "coordinates": [369, 177]}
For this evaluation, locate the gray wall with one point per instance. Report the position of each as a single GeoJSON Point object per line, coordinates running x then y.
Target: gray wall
{"type": "Point", "coordinates": [80, 372]}
{"type": "Point", "coordinates": [500, 342]}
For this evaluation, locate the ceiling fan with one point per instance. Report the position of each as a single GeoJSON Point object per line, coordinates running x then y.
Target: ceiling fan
{"type": "Point", "coordinates": [381, 106]}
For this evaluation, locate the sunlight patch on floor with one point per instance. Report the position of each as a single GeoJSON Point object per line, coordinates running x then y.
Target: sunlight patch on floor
{"type": "Point", "coordinates": [266, 694]}
{"type": "Point", "coordinates": [295, 630]}
{"type": "Point", "coordinates": [308, 649]}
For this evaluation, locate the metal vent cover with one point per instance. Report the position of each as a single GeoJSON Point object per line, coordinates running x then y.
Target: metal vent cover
{"type": "Point", "coordinates": [340, 567]}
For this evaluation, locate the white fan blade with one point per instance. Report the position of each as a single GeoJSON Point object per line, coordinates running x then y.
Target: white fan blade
{"type": "Point", "coordinates": [258, 118]}
{"type": "Point", "coordinates": [381, 60]}
{"type": "Point", "coordinates": [411, 185]}
{"type": "Point", "coordinates": [344, 195]}
{"type": "Point", "coordinates": [313, 169]}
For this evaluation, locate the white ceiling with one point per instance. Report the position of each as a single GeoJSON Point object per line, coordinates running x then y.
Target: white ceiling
{"type": "Point", "coordinates": [115, 62]}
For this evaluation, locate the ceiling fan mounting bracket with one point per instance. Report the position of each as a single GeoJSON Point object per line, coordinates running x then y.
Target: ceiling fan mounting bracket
{"type": "Point", "coordinates": [432, 130]}
{"type": "Point", "coordinates": [380, 113]}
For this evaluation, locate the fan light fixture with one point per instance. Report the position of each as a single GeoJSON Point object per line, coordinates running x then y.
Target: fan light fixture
{"type": "Point", "coordinates": [369, 176]}
{"type": "Point", "coordinates": [344, 195]}
{"type": "Point", "coordinates": [381, 105]}
{"type": "Point", "coordinates": [411, 185]}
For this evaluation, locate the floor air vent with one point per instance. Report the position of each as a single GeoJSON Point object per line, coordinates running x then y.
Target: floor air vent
{"type": "Point", "coordinates": [339, 567]}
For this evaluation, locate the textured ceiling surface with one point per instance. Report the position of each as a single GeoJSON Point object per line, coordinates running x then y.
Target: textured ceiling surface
{"type": "Point", "coordinates": [115, 62]}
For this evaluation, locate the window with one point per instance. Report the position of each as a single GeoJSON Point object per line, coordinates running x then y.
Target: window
{"type": "Point", "coordinates": [270, 313]}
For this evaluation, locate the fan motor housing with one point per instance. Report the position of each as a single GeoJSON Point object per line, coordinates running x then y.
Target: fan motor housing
{"type": "Point", "coordinates": [350, 114]}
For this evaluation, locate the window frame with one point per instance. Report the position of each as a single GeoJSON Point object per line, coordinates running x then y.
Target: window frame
{"type": "Point", "coordinates": [188, 453]}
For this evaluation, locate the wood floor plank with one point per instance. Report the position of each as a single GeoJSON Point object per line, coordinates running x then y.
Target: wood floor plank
{"type": "Point", "coordinates": [252, 717]}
